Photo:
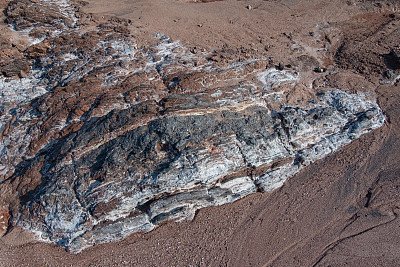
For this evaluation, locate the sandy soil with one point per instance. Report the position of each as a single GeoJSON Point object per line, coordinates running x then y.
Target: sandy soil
{"type": "Point", "coordinates": [269, 28]}
{"type": "Point", "coordinates": [340, 211]}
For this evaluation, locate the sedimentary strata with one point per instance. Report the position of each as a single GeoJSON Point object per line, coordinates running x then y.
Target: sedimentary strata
{"type": "Point", "coordinates": [101, 139]}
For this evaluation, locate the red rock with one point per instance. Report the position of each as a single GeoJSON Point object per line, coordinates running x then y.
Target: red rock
{"type": "Point", "coordinates": [4, 218]}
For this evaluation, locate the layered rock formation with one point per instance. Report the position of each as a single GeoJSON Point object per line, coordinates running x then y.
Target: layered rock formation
{"type": "Point", "coordinates": [100, 139]}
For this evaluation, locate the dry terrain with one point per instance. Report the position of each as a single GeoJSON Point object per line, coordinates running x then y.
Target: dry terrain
{"type": "Point", "coordinates": [341, 210]}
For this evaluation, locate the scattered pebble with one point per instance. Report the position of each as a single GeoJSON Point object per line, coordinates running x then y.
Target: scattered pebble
{"type": "Point", "coordinates": [249, 7]}
{"type": "Point", "coordinates": [22, 74]}
{"type": "Point", "coordinates": [319, 69]}
{"type": "Point", "coordinates": [389, 74]}
{"type": "Point", "coordinates": [193, 50]}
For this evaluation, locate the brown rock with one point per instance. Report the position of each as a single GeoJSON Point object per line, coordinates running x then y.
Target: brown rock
{"type": "Point", "coordinates": [22, 74]}
{"type": "Point", "coordinates": [14, 67]}
{"type": "Point", "coordinates": [4, 217]}
{"type": "Point", "coordinates": [38, 50]}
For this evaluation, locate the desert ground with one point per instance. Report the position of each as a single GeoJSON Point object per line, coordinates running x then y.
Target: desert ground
{"type": "Point", "coordinates": [339, 211]}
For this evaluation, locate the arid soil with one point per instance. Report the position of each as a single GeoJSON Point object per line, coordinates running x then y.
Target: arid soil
{"type": "Point", "coordinates": [340, 211]}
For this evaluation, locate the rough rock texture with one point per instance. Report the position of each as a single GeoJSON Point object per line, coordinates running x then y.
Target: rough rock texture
{"type": "Point", "coordinates": [100, 139]}
{"type": "Point", "coordinates": [4, 218]}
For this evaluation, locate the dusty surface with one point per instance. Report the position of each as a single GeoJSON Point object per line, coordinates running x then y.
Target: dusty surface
{"type": "Point", "coordinates": [342, 210]}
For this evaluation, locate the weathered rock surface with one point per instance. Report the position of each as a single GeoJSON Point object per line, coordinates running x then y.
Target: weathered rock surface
{"type": "Point", "coordinates": [4, 218]}
{"type": "Point", "coordinates": [101, 139]}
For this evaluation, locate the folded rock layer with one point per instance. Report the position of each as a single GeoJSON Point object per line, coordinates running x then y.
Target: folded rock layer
{"type": "Point", "coordinates": [101, 139]}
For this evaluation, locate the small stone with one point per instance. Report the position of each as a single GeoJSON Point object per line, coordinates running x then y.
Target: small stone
{"type": "Point", "coordinates": [319, 69]}
{"type": "Point", "coordinates": [22, 74]}
{"type": "Point", "coordinates": [193, 50]}
{"type": "Point", "coordinates": [281, 66]}
{"type": "Point", "coordinates": [249, 7]}
{"type": "Point", "coordinates": [389, 74]}
{"type": "Point", "coordinates": [215, 58]}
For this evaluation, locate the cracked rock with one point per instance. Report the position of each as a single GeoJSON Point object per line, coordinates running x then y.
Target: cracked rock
{"type": "Point", "coordinates": [100, 139]}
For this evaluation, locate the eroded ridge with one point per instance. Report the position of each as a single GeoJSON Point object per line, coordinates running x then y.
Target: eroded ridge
{"type": "Point", "coordinates": [101, 139]}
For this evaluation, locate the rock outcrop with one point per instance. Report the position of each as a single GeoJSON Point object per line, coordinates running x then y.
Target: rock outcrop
{"type": "Point", "coordinates": [100, 139]}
